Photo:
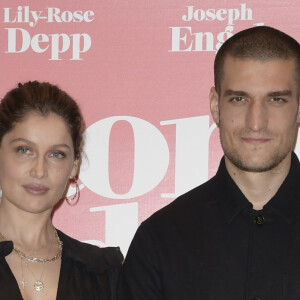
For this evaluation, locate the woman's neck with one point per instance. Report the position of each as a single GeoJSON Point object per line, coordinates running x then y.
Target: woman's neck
{"type": "Point", "coordinates": [27, 230]}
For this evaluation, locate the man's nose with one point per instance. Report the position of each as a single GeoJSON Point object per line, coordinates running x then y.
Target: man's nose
{"type": "Point", "coordinates": [257, 116]}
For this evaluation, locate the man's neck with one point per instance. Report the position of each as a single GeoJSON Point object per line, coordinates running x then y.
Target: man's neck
{"type": "Point", "coordinates": [259, 187]}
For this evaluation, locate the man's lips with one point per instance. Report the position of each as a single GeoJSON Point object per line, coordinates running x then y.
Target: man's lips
{"type": "Point", "coordinates": [35, 189]}
{"type": "Point", "coordinates": [252, 140]}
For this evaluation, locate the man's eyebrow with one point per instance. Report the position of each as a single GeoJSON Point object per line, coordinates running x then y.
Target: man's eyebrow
{"type": "Point", "coordinates": [270, 94]}
{"type": "Point", "coordinates": [280, 93]}
{"type": "Point", "coordinates": [235, 93]}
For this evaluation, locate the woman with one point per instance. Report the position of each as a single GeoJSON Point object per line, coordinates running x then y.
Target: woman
{"type": "Point", "coordinates": [41, 137]}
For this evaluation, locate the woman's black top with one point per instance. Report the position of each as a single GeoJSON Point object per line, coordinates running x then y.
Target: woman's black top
{"type": "Point", "coordinates": [87, 272]}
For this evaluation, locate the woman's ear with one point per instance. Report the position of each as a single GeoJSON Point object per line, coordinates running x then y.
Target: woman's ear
{"type": "Point", "coordinates": [75, 169]}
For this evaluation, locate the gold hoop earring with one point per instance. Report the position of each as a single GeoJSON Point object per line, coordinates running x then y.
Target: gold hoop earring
{"type": "Point", "coordinates": [72, 201]}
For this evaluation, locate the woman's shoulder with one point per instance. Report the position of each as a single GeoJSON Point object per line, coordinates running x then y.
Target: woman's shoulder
{"type": "Point", "coordinates": [95, 258]}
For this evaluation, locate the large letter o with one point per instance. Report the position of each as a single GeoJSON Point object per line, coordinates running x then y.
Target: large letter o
{"type": "Point", "coordinates": [151, 158]}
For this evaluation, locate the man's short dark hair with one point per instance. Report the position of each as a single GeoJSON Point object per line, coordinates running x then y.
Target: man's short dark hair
{"type": "Point", "coordinates": [259, 43]}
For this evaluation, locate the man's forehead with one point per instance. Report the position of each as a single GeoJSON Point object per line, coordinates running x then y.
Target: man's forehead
{"type": "Point", "coordinates": [230, 59]}
{"type": "Point", "coordinates": [246, 74]}
{"type": "Point", "coordinates": [234, 66]}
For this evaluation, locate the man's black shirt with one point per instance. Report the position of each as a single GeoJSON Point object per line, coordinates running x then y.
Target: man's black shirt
{"type": "Point", "coordinates": [210, 244]}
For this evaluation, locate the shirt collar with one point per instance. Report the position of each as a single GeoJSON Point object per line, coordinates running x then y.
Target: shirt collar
{"type": "Point", "coordinates": [6, 248]}
{"type": "Point", "coordinates": [232, 201]}
{"type": "Point", "coordinates": [95, 259]}
{"type": "Point", "coordinates": [285, 203]}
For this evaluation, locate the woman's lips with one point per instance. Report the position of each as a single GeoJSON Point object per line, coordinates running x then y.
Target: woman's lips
{"type": "Point", "coordinates": [35, 189]}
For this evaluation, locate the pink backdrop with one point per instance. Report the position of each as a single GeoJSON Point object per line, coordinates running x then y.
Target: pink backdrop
{"type": "Point", "coordinates": [141, 72]}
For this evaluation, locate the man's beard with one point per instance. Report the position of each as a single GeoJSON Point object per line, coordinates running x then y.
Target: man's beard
{"type": "Point", "coordinates": [271, 161]}
{"type": "Point", "coordinates": [237, 160]}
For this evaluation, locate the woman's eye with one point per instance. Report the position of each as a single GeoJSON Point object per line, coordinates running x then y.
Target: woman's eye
{"type": "Point", "coordinates": [23, 150]}
{"type": "Point", "coordinates": [57, 154]}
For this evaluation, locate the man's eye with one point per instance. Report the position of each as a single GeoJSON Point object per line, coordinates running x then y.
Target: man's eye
{"type": "Point", "coordinates": [57, 154]}
{"type": "Point", "coordinates": [237, 99]}
{"type": "Point", "coordinates": [278, 99]}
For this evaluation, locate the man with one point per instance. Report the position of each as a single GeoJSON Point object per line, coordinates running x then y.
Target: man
{"type": "Point", "coordinates": [237, 236]}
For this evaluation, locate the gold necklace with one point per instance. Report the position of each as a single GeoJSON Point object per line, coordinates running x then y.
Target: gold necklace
{"type": "Point", "coordinates": [36, 259]}
{"type": "Point", "coordinates": [38, 283]}
{"type": "Point", "coordinates": [23, 281]}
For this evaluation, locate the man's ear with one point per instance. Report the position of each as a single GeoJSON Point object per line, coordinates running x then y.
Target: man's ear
{"type": "Point", "coordinates": [214, 105]}
{"type": "Point", "coordinates": [298, 115]}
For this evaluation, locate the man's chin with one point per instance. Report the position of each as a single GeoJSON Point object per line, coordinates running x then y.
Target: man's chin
{"type": "Point", "coordinates": [256, 165]}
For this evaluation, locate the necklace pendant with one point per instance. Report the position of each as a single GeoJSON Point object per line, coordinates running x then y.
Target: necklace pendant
{"type": "Point", "coordinates": [38, 285]}
{"type": "Point", "coordinates": [23, 282]}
